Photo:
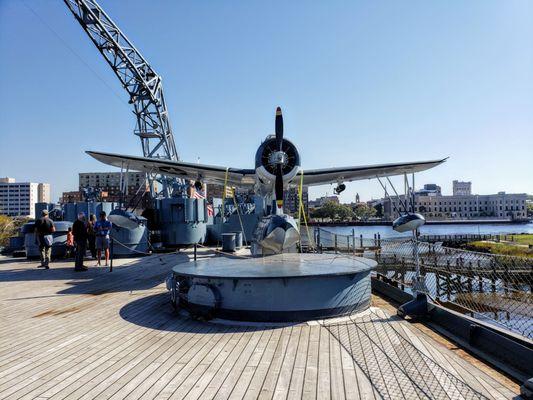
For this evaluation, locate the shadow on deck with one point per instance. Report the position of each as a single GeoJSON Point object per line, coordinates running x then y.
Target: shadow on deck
{"type": "Point", "coordinates": [140, 274]}
{"type": "Point", "coordinates": [393, 365]}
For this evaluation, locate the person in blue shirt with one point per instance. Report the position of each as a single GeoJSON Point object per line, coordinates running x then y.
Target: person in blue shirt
{"type": "Point", "coordinates": [102, 227]}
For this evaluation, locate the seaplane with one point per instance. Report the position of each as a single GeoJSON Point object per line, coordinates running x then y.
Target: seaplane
{"type": "Point", "coordinates": [277, 167]}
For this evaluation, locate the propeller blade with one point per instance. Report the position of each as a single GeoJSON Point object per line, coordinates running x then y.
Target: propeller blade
{"type": "Point", "coordinates": [279, 186]}
{"type": "Point", "coordinates": [279, 128]}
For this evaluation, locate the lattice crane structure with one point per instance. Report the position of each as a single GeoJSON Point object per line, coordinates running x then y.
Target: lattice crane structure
{"type": "Point", "coordinates": [143, 84]}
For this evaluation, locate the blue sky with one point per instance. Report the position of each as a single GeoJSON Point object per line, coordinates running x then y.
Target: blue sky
{"type": "Point", "coordinates": [359, 83]}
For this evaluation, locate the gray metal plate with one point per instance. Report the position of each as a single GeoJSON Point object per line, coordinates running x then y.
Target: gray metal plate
{"type": "Point", "coordinates": [290, 265]}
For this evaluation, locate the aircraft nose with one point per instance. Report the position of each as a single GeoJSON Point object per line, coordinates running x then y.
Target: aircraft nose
{"type": "Point", "coordinates": [280, 234]}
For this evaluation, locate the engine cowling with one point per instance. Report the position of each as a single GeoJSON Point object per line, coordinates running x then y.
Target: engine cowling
{"type": "Point", "coordinates": [268, 157]}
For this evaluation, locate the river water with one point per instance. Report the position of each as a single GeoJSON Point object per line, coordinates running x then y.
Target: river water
{"type": "Point", "coordinates": [448, 229]}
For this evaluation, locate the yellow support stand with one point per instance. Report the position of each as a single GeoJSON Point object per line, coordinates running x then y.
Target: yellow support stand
{"type": "Point", "coordinates": [301, 210]}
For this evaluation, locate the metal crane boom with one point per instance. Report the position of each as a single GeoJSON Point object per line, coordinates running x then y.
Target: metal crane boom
{"type": "Point", "coordinates": [142, 83]}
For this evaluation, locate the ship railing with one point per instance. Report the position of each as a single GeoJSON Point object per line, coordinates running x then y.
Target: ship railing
{"type": "Point", "coordinates": [493, 288]}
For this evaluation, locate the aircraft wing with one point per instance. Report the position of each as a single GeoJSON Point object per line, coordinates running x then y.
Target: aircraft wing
{"type": "Point", "coordinates": [205, 173]}
{"type": "Point", "coordinates": [348, 174]}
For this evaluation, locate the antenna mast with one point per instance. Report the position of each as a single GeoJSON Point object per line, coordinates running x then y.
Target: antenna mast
{"type": "Point", "coordinates": [143, 84]}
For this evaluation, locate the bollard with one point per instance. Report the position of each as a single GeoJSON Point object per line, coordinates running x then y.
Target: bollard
{"type": "Point", "coordinates": [353, 241]}
{"type": "Point", "coordinates": [361, 240]}
{"type": "Point", "coordinates": [195, 248]}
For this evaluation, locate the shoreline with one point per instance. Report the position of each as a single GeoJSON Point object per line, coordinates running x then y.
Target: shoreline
{"type": "Point", "coordinates": [447, 222]}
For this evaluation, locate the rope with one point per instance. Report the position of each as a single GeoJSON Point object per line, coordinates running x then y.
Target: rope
{"type": "Point", "coordinates": [224, 252]}
{"type": "Point", "coordinates": [240, 219]}
{"type": "Point", "coordinates": [224, 194]}
{"type": "Point", "coordinates": [129, 248]}
{"type": "Point", "coordinates": [301, 210]}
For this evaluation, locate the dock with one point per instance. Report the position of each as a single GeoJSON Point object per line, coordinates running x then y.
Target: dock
{"type": "Point", "coordinates": [114, 335]}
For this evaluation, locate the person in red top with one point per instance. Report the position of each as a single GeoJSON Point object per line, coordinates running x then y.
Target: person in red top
{"type": "Point", "coordinates": [70, 242]}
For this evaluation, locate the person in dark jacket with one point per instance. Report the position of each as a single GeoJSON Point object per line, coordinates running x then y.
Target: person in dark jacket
{"type": "Point", "coordinates": [92, 235]}
{"type": "Point", "coordinates": [44, 228]}
{"type": "Point", "coordinates": [79, 229]}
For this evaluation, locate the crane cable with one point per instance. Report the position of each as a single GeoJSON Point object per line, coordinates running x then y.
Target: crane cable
{"type": "Point", "coordinates": [79, 57]}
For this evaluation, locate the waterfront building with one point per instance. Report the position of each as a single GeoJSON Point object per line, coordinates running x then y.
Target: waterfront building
{"type": "Point", "coordinates": [108, 183]}
{"type": "Point", "coordinates": [217, 192]}
{"type": "Point", "coordinates": [74, 196]}
{"type": "Point", "coordinates": [290, 197]}
{"type": "Point", "coordinates": [509, 206]}
{"type": "Point", "coordinates": [319, 202]}
{"type": "Point", "coordinates": [462, 188]}
{"type": "Point", "coordinates": [430, 189]}
{"type": "Point", "coordinates": [291, 201]}
{"type": "Point", "coordinates": [19, 198]}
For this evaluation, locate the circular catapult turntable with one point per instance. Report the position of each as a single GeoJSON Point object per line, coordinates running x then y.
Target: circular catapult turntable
{"type": "Point", "coordinates": [289, 287]}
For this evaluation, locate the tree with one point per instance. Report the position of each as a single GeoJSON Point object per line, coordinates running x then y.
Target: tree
{"type": "Point", "coordinates": [379, 210]}
{"type": "Point", "coordinates": [9, 227]}
{"type": "Point", "coordinates": [363, 211]}
{"type": "Point", "coordinates": [317, 213]}
{"type": "Point", "coordinates": [333, 211]}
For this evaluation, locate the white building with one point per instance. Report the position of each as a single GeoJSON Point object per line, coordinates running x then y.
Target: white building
{"type": "Point", "coordinates": [462, 188]}
{"type": "Point", "coordinates": [501, 205]}
{"type": "Point", "coordinates": [18, 199]}
{"type": "Point", "coordinates": [110, 180]}
{"type": "Point", "coordinates": [109, 184]}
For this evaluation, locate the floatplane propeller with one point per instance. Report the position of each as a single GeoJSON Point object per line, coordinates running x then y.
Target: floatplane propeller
{"type": "Point", "coordinates": [280, 159]}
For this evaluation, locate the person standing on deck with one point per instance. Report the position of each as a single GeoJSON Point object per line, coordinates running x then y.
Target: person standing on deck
{"type": "Point", "coordinates": [91, 235]}
{"type": "Point", "coordinates": [70, 243]}
{"type": "Point", "coordinates": [102, 228]}
{"type": "Point", "coordinates": [79, 229]}
{"type": "Point", "coordinates": [44, 228]}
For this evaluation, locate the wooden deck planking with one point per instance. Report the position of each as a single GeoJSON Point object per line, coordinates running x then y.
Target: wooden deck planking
{"type": "Point", "coordinates": [271, 378]}
{"type": "Point", "coordinates": [170, 366]}
{"type": "Point", "coordinates": [298, 371]}
{"type": "Point", "coordinates": [241, 386]}
{"type": "Point", "coordinates": [207, 385]}
{"type": "Point", "coordinates": [335, 370]}
{"type": "Point", "coordinates": [261, 370]}
{"type": "Point", "coordinates": [90, 358]}
{"type": "Point", "coordinates": [226, 365]}
{"type": "Point", "coordinates": [51, 354]}
{"type": "Point", "coordinates": [311, 367]}
{"type": "Point", "coordinates": [284, 377]}
{"type": "Point", "coordinates": [236, 373]}
{"type": "Point", "coordinates": [102, 335]}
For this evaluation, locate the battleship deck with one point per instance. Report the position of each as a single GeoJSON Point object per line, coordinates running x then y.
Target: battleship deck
{"type": "Point", "coordinates": [95, 334]}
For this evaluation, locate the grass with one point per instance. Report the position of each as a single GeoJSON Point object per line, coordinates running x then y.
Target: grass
{"type": "Point", "coordinates": [524, 238]}
{"type": "Point", "coordinates": [508, 249]}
